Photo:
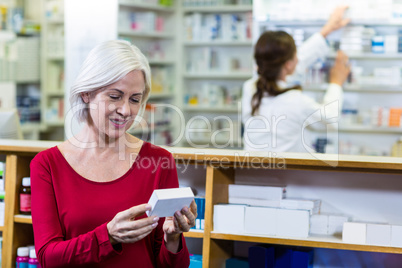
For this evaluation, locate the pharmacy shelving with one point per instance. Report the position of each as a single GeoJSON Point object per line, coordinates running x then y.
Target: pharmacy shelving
{"type": "Point", "coordinates": [52, 68]}
{"type": "Point", "coordinates": [224, 76]}
{"type": "Point", "coordinates": [218, 64]}
{"type": "Point", "coordinates": [218, 43]}
{"type": "Point", "coordinates": [330, 242]}
{"type": "Point", "coordinates": [221, 109]}
{"type": "Point", "coordinates": [370, 56]}
{"type": "Point", "coordinates": [157, 96]}
{"type": "Point", "coordinates": [364, 97]}
{"type": "Point", "coordinates": [320, 23]}
{"type": "Point", "coordinates": [224, 167]}
{"type": "Point", "coordinates": [156, 35]}
{"type": "Point", "coordinates": [219, 9]}
{"type": "Point", "coordinates": [369, 89]}
{"type": "Point", "coordinates": [146, 6]}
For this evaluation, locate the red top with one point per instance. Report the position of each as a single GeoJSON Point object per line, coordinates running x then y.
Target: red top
{"type": "Point", "coordinates": [70, 213]}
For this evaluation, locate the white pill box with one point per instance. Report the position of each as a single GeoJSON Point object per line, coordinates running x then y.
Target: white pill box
{"type": "Point", "coordinates": [165, 202]}
{"type": "Point", "coordinates": [229, 218]}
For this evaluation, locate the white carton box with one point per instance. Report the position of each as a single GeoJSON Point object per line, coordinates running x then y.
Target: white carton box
{"type": "Point", "coordinates": [354, 232]}
{"type": "Point", "coordinates": [311, 205]}
{"type": "Point", "coordinates": [319, 224]}
{"type": "Point", "coordinates": [165, 202]}
{"type": "Point", "coordinates": [335, 223]}
{"type": "Point", "coordinates": [229, 218]}
{"type": "Point", "coordinates": [293, 223]}
{"type": "Point", "coordinates": [254, 202]}
{"type": "Point", "coordinates": [257, 192]}
{"type": "Point", "coordinates": [260, 220]}
{"type": "Point", "coordinates": [396, 236]}
{"type": "Point", "coordinates": [378, 234]}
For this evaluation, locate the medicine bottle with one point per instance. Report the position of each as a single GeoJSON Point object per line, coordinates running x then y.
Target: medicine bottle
{"type": "Point", "coordinates": [33, 261]}
{"type": "Point", "coordinates": [25, 196]}
{"type": "Point", "coordinates": [22, 257]}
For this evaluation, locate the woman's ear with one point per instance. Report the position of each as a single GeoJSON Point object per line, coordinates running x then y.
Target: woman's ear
{"type": "Point", "coordinates": [85, 97]}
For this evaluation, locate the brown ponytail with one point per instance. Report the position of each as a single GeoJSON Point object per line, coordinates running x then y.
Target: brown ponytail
{"type": "Point", "coordinates": [272, 51]}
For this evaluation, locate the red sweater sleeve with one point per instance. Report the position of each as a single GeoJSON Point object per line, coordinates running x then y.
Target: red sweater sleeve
{"type": "Point", "coordinates": [52, 248]}
{"type": "Point", "coordinates": [165, 258]}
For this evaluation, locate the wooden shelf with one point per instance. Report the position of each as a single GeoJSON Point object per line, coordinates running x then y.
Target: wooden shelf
{"type": "Point", "coordinates": [194, 234]}
{"type": "Point", "coordinates": [147, 6]}
{"type": "Point", "coordinates": [146, 34]}
{"type": "Point", "coordinates": [313, 241]}
{"type": "Point", "coordinates": [23, 219]}
{"type": "Point", "coordinates": [233, 43]}
{"type": "Point", "coordinates": [229, 76]}
{"type": "Point", "coordinates": [1, 228]}
{"type": "Point", "coordinates": [219, 9]}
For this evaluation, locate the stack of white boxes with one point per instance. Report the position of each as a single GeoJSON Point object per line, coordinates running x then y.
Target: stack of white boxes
{"type": "Point", "coordinates": [263, 210]}
{"type": "Point", "coordinates": [357, 39]}
{"type": "Point", "coordinates": [372, 234]}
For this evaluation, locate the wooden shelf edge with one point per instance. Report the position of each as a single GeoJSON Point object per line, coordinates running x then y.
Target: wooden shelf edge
{"type": "Point", "coordinates": [1, 228]}
{"type": "Point", "coordinates": [306, 243]}
{"type": "Point", "coordinates": [194, 234]}
{"type": "Point", "coordinates": [23, 219]}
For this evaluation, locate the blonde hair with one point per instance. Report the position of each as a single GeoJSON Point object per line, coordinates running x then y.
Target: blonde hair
{"type": "Point", "coordinates": [106, 64]}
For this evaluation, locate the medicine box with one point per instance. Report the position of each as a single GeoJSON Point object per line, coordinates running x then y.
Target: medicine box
{"type": "Point", "coordinates": [165, 202]}
{"type": "Point", "coordinates": [396, 236]}
{"type": "Point", "coordinates": [378, 234]}
{"type": "Point", "coordinates": [260, 220]}
{"type": "Point", "coordinates": [254, 202]}
{"type": "Point", "coordinates": [257, 192]}
{"type": "Point", "coordinates": [293, 223]}
{"type": "Point", "coordinates": [229, 218]}
{"type": "Point", "coordinates": [354, 232]}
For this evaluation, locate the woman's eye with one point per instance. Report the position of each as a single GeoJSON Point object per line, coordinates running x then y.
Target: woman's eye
{"type": "Point", "coordinates": [114, 97]}
{"type": "Point", "coordinates": [135, 100]}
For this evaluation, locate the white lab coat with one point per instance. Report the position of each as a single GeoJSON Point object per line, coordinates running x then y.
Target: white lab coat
{"type": "Point", "coordinates": [279, 125]}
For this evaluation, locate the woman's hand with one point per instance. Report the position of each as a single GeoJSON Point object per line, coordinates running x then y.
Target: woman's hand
{"type": "Point", "coordinates": [124, 228]}
{"type": "Point", "coordinates": [335, 21]}
{"type": "Point", "coordinates": [341, 69]}
{"type": "Point", "coordinates": [181, 222]}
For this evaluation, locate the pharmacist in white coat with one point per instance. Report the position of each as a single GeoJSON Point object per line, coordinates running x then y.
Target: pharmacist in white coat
{"type": "Point", "coordinates": [275, 113]}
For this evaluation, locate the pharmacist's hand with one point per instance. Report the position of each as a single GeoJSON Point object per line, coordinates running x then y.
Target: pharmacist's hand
{"type": "Point", "coordinates": [341, 69]}
{"type": "Point", "coordinates": [181, 222]}
{"type": "Point", "coordinates": [335, 21]}
{"type": "Point", "coordinates": [125, 228]}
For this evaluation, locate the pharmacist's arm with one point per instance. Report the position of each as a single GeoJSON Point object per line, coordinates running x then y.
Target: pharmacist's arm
{"type": "Point", "coordinates": [170, 251]}
{"type": "Point", "coordinates": [51, 247]}
{"type": "Point", "coordinates": [316, 46]}
{"type": "Point", "coordinates": [322, 114]}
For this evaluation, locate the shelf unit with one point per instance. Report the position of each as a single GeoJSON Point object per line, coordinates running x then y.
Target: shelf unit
{"type": "Point", "coordinates": [361, 97]}
{"type": "Point", "coordinates": [52, 68]}
{"type": "Point", "coordinates": [221, 167]}
{"type": "Point", "coordinates": [215, 65]}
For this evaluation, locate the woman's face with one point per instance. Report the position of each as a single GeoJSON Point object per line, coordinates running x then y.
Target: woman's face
{"type": "Point", "coordinates": [114, 108]}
